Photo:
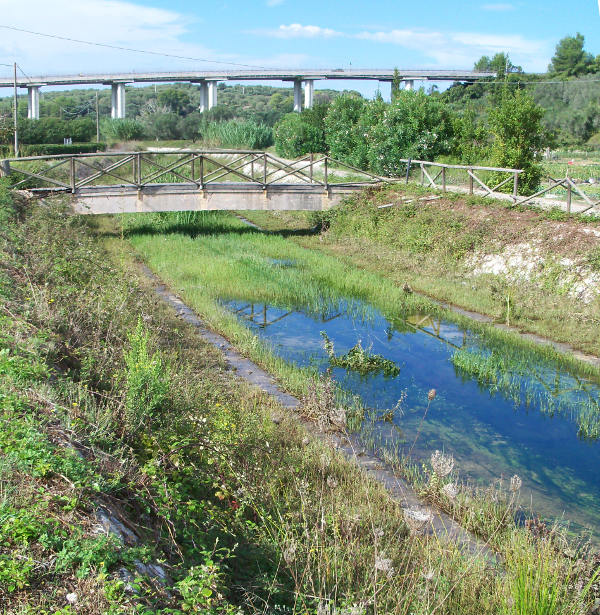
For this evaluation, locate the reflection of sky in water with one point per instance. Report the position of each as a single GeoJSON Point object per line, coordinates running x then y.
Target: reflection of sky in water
{"type": "Point", "coordinates": [489, 434]}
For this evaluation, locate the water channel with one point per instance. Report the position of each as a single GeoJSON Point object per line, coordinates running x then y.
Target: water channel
{"type": "Point", "coordinates": [496, 411]}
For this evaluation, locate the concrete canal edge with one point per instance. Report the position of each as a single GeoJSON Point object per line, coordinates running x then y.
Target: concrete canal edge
{"type": "Point", "coordinates": [442, 526]}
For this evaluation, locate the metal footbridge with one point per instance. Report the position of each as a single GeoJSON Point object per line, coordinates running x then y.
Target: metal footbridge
{"type": "Point", "coordinates": [188, 180]}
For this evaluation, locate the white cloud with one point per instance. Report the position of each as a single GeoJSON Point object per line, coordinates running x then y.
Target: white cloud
{"type": "Point", "coordinates": [462, 49]}
{"type": "Point", "coordinates": [500, 6]}
{"type": "Point", "coordinates": [114, 22]}
{"type": "Point", "coordinates": [297, 30]}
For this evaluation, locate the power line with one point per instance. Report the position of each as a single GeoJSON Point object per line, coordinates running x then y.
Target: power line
{"type": "Point", "coordinates": [146, 51]}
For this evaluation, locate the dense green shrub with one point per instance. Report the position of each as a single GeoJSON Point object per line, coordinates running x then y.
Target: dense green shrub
{"type": "Point", "coordinates": [519, 137]}
{"type": "Point", "coordinates": [49, 149]}
{"type": "Point", "coordinates": [372, 115]}
{"type": "Point", "coordinates": [122, 129]}
{"type": "Point", "coordinates": [162, 126]}
{"type": "Point", "coordinates": [342, 117]}
{"type": "Point", "coordinates": [470, 138]}
{"type": "Point", "coordinates": [416, 126]}
{"type": "Point", "coordinates": [295, 136]}
{"type": "Point", "coordinates": [55, 130]}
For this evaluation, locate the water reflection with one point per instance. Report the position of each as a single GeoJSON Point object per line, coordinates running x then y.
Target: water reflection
{"type": "Point", "coordinates": [499, 411]}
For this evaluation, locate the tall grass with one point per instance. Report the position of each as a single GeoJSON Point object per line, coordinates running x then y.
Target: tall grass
{"type": "Point", "coordinates": [237, 134]}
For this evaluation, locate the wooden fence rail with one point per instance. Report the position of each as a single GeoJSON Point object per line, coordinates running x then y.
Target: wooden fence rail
{"type": "Point", "coordinates": [430, 177]}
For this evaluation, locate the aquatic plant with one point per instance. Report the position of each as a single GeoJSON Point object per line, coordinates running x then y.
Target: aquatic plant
{"type": "Point", "coordinates": [359, 359]}
{"type": "Point", "coordinates": [541, 387]}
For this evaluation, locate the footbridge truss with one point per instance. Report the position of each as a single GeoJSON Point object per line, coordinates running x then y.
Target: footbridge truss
{"type": "Point", "coordinates": [188, 180]}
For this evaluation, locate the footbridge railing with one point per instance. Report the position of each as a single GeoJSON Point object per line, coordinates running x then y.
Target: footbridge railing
{"type": "Point", "coordinates": [191, 168]}
{"type": "Point", "coordinates": [180, 180]}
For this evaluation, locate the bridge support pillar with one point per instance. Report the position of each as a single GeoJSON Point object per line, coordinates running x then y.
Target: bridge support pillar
{"type": "Point", "coordinates": [33, 102]}
{"type": "Point", "coordinates": [117, 108]}
{"type": "Point", "coordinates": [203, 96]}
{"type": "Point", "coordinates": [297, 95]}
{"type": "Point", "coordinates": [212, 94]}
{"type": "Point", "coordinates": [309, 90]}
{"type": "Point", "coordinates": [409, 84]}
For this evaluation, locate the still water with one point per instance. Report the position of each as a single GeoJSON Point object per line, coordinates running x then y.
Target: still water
{"type": "Point", "coordinates": [529, 418]}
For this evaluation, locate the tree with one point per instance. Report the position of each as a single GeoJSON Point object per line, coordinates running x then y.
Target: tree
{"type": "Point", "coordinates": [470, 137]}
{"type": "Point", "coordinates": [189, 126]}
{"type": "Point", "coordinates": [414, 125]}
{"type": "Point", "coordinates": [518, 137]}
{"type": "Point", "coordinates": [499, 64]}
{"type": "Point", "coordinates": [294, 136]}
{"type": "Point", "coordinates": [7, 130]}
{"type": "Point", "coordinates": [175, 99]}
{"type": "Point", "coordinates": [342, 116]}
{"type": "Point", "coordinates": [570, 59]}
{"type": "Point", "coordinates": [164, 126]}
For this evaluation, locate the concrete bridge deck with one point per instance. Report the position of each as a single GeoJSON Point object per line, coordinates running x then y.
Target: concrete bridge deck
{"type": "Point", "coordinates": [208, 80]}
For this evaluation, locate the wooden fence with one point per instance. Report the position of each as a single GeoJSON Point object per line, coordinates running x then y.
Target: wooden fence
{"type": "Point", "coordinates": [432, 172]}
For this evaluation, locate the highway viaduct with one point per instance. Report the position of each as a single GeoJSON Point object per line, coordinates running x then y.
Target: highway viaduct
{"type": "Point", "coordinates": [208, 80]}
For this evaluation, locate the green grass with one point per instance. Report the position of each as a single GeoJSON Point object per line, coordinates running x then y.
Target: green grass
{"type": "Point", "coordinates": [428, 245]}
{"type": "Point", "coordinates": [246, 514]}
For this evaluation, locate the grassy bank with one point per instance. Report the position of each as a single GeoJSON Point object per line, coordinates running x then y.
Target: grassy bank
{"type": "Point", "coordinates": [534, 270]}
{"type": "Point", "coordinates": [107, 400]}
{"type": "Point", "coordinates": [210, 257]}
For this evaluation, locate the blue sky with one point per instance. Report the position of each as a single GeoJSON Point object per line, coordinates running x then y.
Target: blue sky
{"type": "Point", "coordinates": [288, 33]}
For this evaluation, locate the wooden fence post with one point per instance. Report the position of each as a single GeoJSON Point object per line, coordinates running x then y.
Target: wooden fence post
{"type": "Point", "coordinates": [72, 173]}
{"type": "Point", "coordinates": [265, 171]}
{"type": "Point", "coordinates": [311, 167]}
{"type": "Point", "coordinates": [569, 196]}
{"type": "Point", "coordinates": [325, 165]}
{"type": "Point", "coordinates": [138, 170]}
{"type": "Point", "coordinates": [470, 180]}
{"type": "Point", "coordinates": [444, 179]}
{"type": "Point", "coordinates": [422, 174]}
{"type": "Point", "coordinates": [515, 186]}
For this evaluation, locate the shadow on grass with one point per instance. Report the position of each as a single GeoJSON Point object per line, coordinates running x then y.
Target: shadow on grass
{"type": "Point", "coordinates": [198, 230]}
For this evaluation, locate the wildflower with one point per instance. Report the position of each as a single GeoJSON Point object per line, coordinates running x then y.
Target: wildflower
{"type": "Point", "coordinates": [417, 519]}
{"type": "Point", "coordinates": [515, 483]}
{"type": "Point", "coordinates": [442, 464]}
{"type": "Point", "coordinates": [72, 598]}
{"type": "Point", "coordinates": [331, 482]}
{"type": "Point", "coordinates": [384, 564]}
{"type": "Point", "coordinates": [289, 553]}
{"type": "Point", "coordinates": [450, 490]}
{"type": "Point", "coordinates": [431, 395]}
{"type": "Point", "coordinates": [428, 576]}
{"type": "Point", "coordinates": [323, 608]}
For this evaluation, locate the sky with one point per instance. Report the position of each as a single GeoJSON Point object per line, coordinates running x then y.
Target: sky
{"type": "Point", "coordinates": [221, 35]}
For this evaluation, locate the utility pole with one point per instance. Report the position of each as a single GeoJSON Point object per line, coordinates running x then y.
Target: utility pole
{"type": "Point", "coordinates": [15, 112]}
{"type": "Point", "coordinates": [97, 120]}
